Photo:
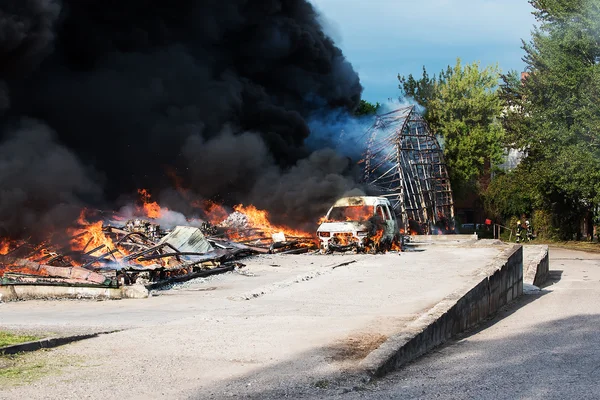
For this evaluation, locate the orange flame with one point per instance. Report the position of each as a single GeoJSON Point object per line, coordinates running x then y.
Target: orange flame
{"type": "Point", "coordinates": [374, 241]}
{"type": "Point", "coordinates": [259, 220]}
{"type": "Point", "coordinates": [377, 237]}
{"type": "Point", "coordinates": [22, 270]}
{"type": "Point", "coordinates": [89, 235]}
{"type": "Point", "coordinates": [344, 239]}
{"type": "Point", "coordinates": [150, 208]}
{"type": "Point", "coordinates": [4, 246]}
{"type": "Point", "coordinates": [214, 212]}
{"type": "Point", "coordinates": [350, 213]}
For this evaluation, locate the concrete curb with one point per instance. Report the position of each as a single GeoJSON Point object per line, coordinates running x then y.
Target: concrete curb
{"type": "Point", "coordinates": [536, 265]}
{"type": "Point", "coordinates": [503, 283]}
{"type": "Point", "coordinates": [47, 343]}
{"type": "Point", "coordinates": [42, 292]}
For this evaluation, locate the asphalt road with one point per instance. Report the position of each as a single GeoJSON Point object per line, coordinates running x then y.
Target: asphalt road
{"type": "Point", "coordinates": [544, 346]}
{"type": "Point", "coordinates": [281, 323]}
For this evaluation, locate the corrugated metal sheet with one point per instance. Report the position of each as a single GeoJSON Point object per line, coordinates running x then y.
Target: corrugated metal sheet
{"type": "Point", "coordinates": [188, 239]}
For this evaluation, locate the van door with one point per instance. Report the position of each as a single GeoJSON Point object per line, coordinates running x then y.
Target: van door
{"type": "Point", "coordinates": [393, 221]}
{"type": "Point", "coordinates": [384, 212]}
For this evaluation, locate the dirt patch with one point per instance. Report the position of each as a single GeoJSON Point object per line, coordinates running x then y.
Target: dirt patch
{"type": "Point", "coordinates": [356, 347]}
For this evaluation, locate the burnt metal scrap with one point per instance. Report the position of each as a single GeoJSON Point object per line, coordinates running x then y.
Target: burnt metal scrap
{"type": "Point", "coordinates": [404, 162]}
{"type": "Point", "coordinates": [140, 252]}
{"type": "Point", "coordinates": [128, 257]}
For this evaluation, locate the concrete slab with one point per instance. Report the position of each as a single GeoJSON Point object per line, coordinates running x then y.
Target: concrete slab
{"type": "Point", "coordinates": [536, 265]}
{"type": "Point", "coordinates": [284, 321]}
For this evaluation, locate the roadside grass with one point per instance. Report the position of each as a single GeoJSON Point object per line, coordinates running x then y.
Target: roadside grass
{"type": "Point", "coordinates": [17, 369]}
{"type": "Point", "coordinates": [592, 247]}
{"type": "Point", "coordinates": [8, 338]}
{"type": "Point", "coordinates": [25, 368]}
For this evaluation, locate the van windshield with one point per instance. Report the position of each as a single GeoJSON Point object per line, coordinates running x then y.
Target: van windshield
{"type": "Point", "coordinates": [350, 213]}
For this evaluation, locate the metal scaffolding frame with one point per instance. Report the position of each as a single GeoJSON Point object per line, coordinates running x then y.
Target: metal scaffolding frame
{"type": "Point", "coordinates": [404, 162]}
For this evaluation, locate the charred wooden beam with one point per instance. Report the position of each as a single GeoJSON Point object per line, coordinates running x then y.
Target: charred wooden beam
{"type": "Point", "coordinates": [100, 258]}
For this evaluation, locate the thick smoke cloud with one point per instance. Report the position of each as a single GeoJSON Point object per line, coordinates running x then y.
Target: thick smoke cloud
{"type": "Point", "coordinates": [307, 189]}
{"type": "Point", "coordinates": [245, 157]}
{"type": "Point", "coordinates": [42, 183]}
{"type": "Point", "coordinates": [26, 37]}
{"type": "Point", "coordinates": [217, 91]}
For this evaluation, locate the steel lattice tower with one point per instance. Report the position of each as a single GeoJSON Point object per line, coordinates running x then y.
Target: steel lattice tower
{"type": "Point", "coordinates": [404, 162]}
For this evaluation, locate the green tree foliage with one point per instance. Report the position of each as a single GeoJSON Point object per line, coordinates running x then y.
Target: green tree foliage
{"type": "Point", "coordinates": [421, 90]}
{"type": "Point", "coordinates": [509, 195]}
{"type": "Point", "coordinates": [554, 114]}
{"type": "Point", "coordinates": [462, 106]}
{"type": "Point", "coordinates": [366, 108]}
{"type": "Point", "coordinates": [511, 94]}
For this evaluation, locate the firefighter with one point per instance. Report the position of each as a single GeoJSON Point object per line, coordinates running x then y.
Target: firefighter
{"type": "Point", "coordinates": [529, 231]}
{"type": "Point", "coordinates": [519, 228]}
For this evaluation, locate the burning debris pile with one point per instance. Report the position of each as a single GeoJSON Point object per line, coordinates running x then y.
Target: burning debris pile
{"type": "Point", "coordinates": [140, 251]}
{"type": "Point", "coordinates": [251, 227]}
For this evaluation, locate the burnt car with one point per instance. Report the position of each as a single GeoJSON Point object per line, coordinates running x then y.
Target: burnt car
{"type": "Point", "coordinates": [361, 223]}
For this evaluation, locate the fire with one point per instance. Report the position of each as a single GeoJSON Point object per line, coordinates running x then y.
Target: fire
{"type": "Point", "coordinates": [350, 213]}
{"type": "Point", "coordinates": [89, 235]}
{"type": "Point", "coordinates": [377, 237]}
{"type": "Point", "coordinates": [89, 243]}
{"type": "Point", "coordinates": [214, 212]}
{"type": "Point", "coordinates": [374, 241]}
{"type": "Point", "coordinates": [359, 213]}
{"type": "Point", "coordinates": [144, 195]}
{"type": "Point", "coordinates": [150, 208]}
{"type": "Point", "coordinates": [344, 239]}
{"type": "Point", "coordinates": [20, 269]}
{"type": "Point", "coordinates": [259, 220]}
{"type": "Point", "coordinates": [4, 246]}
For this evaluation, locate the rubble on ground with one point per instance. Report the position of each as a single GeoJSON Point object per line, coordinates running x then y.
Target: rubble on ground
{"type": "Point", "coordinates": [140, 252]}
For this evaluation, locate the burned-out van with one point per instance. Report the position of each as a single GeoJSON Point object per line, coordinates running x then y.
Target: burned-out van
{"type": "Point", "coordinates": [361, 223]}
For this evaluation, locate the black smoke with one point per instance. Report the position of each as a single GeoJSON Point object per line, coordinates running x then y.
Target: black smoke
{"type": "Point", "coordinates": [217, 91]}
{"type": "Point", "coordinates": [44, 185]}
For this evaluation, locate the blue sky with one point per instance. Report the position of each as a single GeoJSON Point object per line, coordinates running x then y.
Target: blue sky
{"type": "Point", "coordinates": [384, 38]}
